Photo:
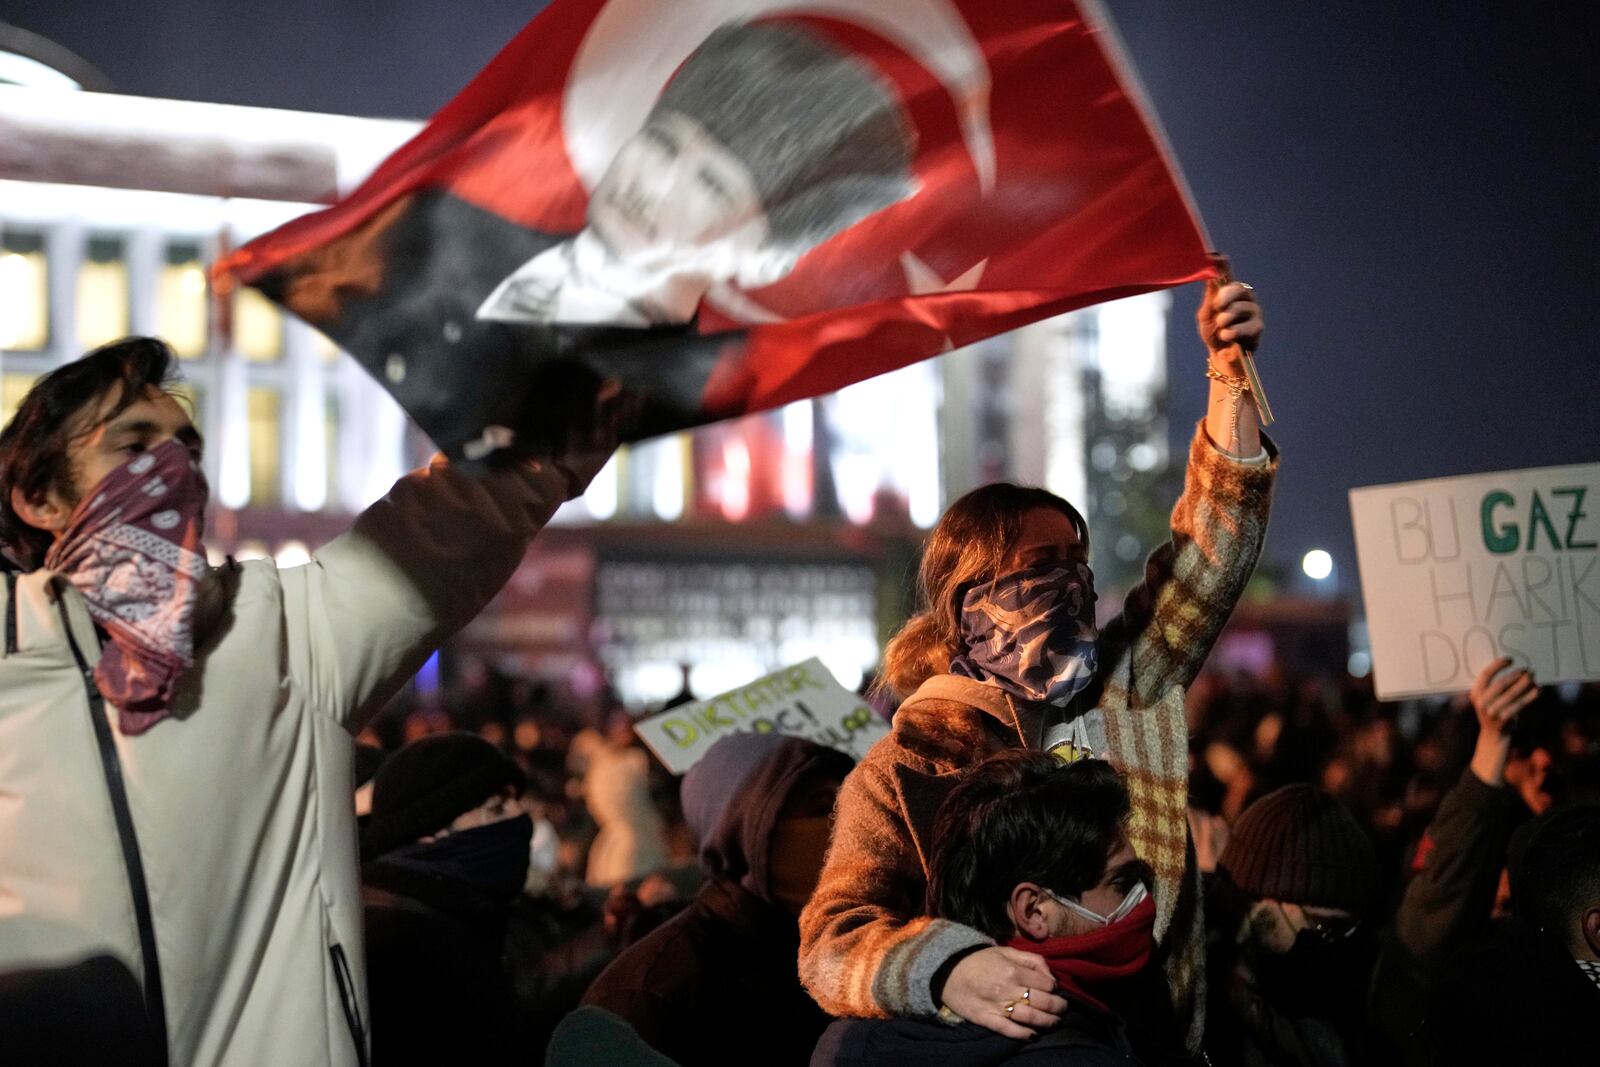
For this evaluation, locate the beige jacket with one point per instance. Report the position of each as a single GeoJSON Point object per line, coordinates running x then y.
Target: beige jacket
{"type": "Point", "coordinates": [241, 802]}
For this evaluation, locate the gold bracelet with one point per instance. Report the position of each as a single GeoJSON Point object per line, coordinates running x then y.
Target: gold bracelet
{"type": "Point", "coordinates": [1235, 385]}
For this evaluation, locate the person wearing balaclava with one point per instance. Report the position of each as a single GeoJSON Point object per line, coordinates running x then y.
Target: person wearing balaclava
{"type": "Point", "coordinates": [1291, 950]}
{"type": "Point", "coordinates": [719, 977]}
{"type": "Point", "coordinates": [446, 853]}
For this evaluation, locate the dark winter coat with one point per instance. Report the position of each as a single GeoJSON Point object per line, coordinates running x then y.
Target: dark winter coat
{"type": "Point", "coordinates": [1515, 999]}
{"type": "Point", "coordinates": [1446, 906]}
{"type": "Point", "coordinates": [720, 978]}
{"type": "Point", "coordinates": [437, 982]}
{"type": "Point", "coordinates": [1083, 1039]}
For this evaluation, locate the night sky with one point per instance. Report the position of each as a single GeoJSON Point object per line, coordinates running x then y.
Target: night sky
{"type": "Point", "coordinates": [1415, 195]}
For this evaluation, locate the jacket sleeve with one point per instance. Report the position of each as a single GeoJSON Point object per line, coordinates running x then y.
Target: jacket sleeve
{"type": "Point", "coordinates": [867, 948]}
{"type": "Point", "coordinates": [1170, 620]}
{"type": "Point", "coordinates": [416, 566]}
{"type": "Point", "coordinates": [1446, 904]}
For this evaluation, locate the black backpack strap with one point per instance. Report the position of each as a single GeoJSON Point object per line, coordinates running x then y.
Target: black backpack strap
{"type": "Point", "coordinates": [132, 859]}
{"type": "Point", "coordinates": [11, 612]}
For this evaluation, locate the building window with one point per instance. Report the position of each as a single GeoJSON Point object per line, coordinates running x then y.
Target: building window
{"type": "Point", "coordinates": [266, 469]}
{"type": "Point", "coordinates": [24, 293]}
{"type": "Point", "coordinates": [257, 327]}
{"type": "Point", "coordinates": [102, 293]}
{"type": "Point", "coordinates": [181, 299]}
{"type": "Point", "coordinates": [13, 387]}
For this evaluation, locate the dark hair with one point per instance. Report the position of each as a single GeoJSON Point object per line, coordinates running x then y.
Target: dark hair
{"type": "Point", "coordinates": [1559, 872]}
{"type": "Point", "coordinates": [968, 545]}
{"type": "Point", "coordinates": [33, 445]}
{"type": "Point", "coordinates": [1022, 816]}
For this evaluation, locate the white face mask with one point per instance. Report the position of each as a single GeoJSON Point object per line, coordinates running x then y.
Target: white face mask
{"type": "Point", "coordinates": [1129, 902]}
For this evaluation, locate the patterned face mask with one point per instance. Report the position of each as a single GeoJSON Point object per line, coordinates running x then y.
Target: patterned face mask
{"type": "Point", "coordinates": [132, 548]}
{"type": "Point", "coordinates": [1032, 632]}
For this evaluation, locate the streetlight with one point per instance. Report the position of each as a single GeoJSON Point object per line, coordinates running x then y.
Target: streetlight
{"type": "Point", "coordinates": [1317, 564]}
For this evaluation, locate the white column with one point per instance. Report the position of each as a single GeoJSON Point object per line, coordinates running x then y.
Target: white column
{"type": "Point", "coordinates": [144, 253]}
{"type": "Point", "coordinates": [305, 419]}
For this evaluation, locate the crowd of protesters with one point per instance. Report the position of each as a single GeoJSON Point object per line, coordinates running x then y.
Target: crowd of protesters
{"type": "Point", "coordinates": [1075, 846]}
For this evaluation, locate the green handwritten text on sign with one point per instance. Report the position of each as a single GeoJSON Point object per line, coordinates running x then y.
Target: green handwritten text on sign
{"type": "Point", "coordinates": [1458, 572]}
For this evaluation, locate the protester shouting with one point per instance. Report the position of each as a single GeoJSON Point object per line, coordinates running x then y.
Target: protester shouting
{"type": "Point", "coordinates": [759, 807]}
{"type": "Point", "coordinates": [1005, 653]}
{"type": "Point", "coordinates": [1033, 852]}
{"type": "Point", "coordinates": [176, 739]}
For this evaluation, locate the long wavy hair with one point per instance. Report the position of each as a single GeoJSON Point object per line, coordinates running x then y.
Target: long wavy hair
{"type": "Point", "coordinates": [968, 545]}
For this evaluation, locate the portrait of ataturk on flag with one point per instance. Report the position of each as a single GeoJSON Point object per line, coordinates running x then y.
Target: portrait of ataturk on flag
{"type": "Point", "coordinates": [728, 205]}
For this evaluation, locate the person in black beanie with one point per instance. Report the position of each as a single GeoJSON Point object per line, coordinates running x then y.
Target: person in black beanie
{"type": "Point", "coordinates": [445, 853]}
{"type": "Point", "coordinates": [1289, 950]}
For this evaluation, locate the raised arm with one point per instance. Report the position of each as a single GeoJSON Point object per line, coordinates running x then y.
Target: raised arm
{"type": "Point", "coordinates": [1450, 899]}
{"type": "Point", "coordinates": [417, 566]}
{"type": "Point", "coordinates": [1170, 620]}
{"type": "Point", "coordinates": [1229, 321]}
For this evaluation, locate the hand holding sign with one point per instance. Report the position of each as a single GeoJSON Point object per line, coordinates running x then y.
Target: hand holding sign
{"type": "Point", "coordinates": [1498, 694]}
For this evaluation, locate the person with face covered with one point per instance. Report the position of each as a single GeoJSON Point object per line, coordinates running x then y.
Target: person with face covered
{"type": "Point", "coordinates": [1005, 653]}
{"type": "Point", "coordinates": [719, 977]}
{"type": "Point", "coordinates": [1291, 947]}
{"type": "Point", "coordinates": [446, 851]}
{"type": "Point", "coordinates": [1032, 851]}
{"type": "Point", "coordinates": [176, 738]}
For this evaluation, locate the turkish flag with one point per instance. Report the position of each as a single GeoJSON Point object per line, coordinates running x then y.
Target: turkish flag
{"type": "Point", "coordinates": [733, 204]}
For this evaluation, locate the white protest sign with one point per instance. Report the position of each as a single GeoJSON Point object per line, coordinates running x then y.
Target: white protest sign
{"type": "Point", "coordinates": [802, 701]}
{"type": "Point", "coordinates": [1456, 572]}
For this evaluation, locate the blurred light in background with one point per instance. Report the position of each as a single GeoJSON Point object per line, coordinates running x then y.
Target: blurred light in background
{"type": "Point", "coordinates": [1317, 564]}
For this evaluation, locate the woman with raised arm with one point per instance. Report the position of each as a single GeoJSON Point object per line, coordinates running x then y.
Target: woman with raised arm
{"type": "Point", "coordinates": [1005, 653]}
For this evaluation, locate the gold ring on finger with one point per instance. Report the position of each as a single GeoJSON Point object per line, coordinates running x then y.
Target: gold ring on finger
{"type": "Point", "coordinates": [1011, 1007]}
{"type": "Point", "coordinates": [1027, 996]}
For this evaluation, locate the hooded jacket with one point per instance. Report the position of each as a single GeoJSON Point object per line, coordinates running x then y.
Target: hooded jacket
{"type": "Point", "coordinates": [215, 853]}
{"type": "Point", "coordinates": [868, 948]}
{"type": "Point", "coordinates": [721, 975]}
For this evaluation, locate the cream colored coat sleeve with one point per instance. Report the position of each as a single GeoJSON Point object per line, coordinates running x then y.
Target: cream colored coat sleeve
{"type": "Point", "coordinates": [368, 610]}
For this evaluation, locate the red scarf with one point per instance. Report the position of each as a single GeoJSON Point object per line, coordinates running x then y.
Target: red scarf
{"type": "Point", "coordinates": [132, 548]}
{"type": "Point", "coordinates": [1089, 966]}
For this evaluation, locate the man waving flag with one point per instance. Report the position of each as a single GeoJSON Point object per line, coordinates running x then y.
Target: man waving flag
{"type": "Point", "coordinates": [732, 204]}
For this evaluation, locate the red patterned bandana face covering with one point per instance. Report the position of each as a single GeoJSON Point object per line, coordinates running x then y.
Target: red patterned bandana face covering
{"type": "Point", "coordinates": [132, 548]}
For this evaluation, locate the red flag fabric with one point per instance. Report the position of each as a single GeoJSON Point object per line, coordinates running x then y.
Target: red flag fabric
{"type": "Point", "coordinates": [733, 204]}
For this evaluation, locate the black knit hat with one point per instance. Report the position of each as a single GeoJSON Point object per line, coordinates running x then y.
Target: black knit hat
{"type": "Point", "coordinates": [1300, 845]}
{"type": "Point", "coordinates": [420, 788]}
